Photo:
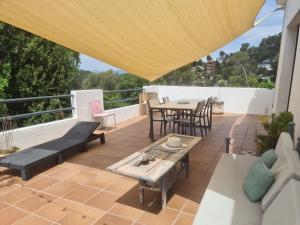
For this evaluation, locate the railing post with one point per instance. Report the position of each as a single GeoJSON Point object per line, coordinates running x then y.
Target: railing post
{"type": "Point", "coordinates": [291, 129]}
{"type": "Point", "coordinates": [227, 144]}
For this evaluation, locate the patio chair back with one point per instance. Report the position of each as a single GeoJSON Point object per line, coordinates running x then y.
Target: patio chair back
{"type": "Point", "coordinates": [200, 107]}
{"type": "Point", "coordinates": [166, 99]}
{"type": "Point", "coordinates": [208, 104]}
{"type": "Point", "coordinates": [96, 107]}
{"type": "Point", "coordinates": [153, 102]}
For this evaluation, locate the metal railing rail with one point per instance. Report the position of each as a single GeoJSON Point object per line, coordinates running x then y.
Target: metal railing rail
{"type": "Point", "coordinates": [127, 90]}
{"type": "Point", "coordinates": [122, 91]}
{"type": "Point", "coordinates": [121, 100]}
{"type": "Point", "coordinates": [26, 115]}
{"type": "Point", "coordinates": [28, 99]}
{"type": "Point", "coordinates": [13, 100]}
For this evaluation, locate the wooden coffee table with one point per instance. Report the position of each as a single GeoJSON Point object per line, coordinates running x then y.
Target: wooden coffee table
{"type": "Point", "coordinates": [160, 174]}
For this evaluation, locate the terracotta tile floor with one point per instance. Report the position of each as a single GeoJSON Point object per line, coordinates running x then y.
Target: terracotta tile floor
{"type": "Point", "coordinates": [80, 191]}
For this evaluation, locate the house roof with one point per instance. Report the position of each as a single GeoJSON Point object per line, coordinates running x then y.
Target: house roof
{"type": "Point", "coordinates": [146, 38]}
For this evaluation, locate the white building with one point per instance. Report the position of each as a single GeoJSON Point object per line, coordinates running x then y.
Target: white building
{"type": "Point", "coordinates": [287, 97]}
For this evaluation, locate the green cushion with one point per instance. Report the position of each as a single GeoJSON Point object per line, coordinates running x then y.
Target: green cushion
{"type": "Point", "coordinates": [269, 158]}
{"type": "Point", "coordinates": [258, 181]}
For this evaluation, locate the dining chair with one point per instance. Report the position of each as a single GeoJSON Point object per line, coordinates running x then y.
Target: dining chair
{"type": "Point", "coordinates": [200, 115]}
{"type": "Point", "coordinates": [185, 122]}
{"type": "Point", "coordinates": [170, 113]}
{"type": "Point", "coordinates": [206, 115]}
{"type": "Point", "coordinates": [158, 115]}
{"type": "Point", "coordinates": [98, 112]}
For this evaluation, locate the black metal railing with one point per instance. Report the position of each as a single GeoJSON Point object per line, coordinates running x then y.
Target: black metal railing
{"type": "Point", "coordinates": [121, 98]}
{"type": "Point", "coordinates": [34, 110]}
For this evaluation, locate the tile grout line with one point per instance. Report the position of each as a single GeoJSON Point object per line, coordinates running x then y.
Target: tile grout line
{"type": "Point", "coordinates": [98, 190]}
{"type": "Point", "coordinates": [27, 212]}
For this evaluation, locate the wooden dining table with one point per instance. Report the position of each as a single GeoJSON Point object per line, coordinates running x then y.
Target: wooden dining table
{"type": "Point", "coordinates": [188, 105]}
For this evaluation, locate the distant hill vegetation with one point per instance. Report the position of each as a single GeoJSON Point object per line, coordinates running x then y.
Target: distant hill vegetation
{"type": "Point", "coordinates": [251, 66]}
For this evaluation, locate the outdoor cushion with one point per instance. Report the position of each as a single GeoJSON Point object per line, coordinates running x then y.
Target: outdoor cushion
{"type": "Point", "coordinates": [285, 207]}
{"type": "Point", "coordinates": [289, 168]}
{"type": "Point", "coordinates": [269, 158]}
{"type": "Point", "coordinates": [258, 181]}
{"type": "Point", "coordinates": [81, 130]}
{"type": "Point", "coordinates": [27, 157]}
{"type": "Point", "coordinates": [74, 139]}
{"type": "Point", "coordinates": [224, 202]}
{"type": "Point", "coordinates": [59, 144]}
{"type": "Point", "coordinates": [283, 147]}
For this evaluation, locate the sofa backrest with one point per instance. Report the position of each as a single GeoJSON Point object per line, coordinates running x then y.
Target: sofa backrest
{"type": "Point", "coordinates": [285, 208]}
{"type": "Point", "coordinates": [286, 167]}
{"type": "Point", "coordinates": [284, 146]}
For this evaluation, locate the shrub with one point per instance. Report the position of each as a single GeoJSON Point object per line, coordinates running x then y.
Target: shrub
{"type": "Point", "coordinates": [7, 126]}
{"type": "Point", "coordinates": [278, 123]}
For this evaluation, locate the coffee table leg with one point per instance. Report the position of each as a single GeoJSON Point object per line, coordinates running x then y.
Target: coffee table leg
{"type": "Point", "coordinates": [141, 193]}
{"type": "Point", "coordinates": [163, 192]}
{"type": "Point", "coordinates": [151, 125]}
{"type": "Point", "coordinates": [187, 165]}
{"type": "Point", "coordinates": [191, 123]}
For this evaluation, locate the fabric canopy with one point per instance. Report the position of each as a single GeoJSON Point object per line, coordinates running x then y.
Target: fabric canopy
{"type": "Point", "coordinates": [148, 38]}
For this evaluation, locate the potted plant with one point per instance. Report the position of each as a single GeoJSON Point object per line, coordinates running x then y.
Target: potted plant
{"type": "Point", "coordinates": [7, 126]}
{"type": "Point", "coordinates": [274, 126]}
{"type": "Point", "coordinates": [217, 106]}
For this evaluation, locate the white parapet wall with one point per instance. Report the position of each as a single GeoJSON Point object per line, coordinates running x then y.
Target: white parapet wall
{"type": "Point", "coordinates": [33, 135]}
{"type": "Point", "coordinates": [236, 100]}
{"type": "Point", "coordinates": [123, 113]}
{"type": "Point", "coordinates": [81, 101]}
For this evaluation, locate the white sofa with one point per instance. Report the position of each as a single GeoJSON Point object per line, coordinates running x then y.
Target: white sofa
{"type": "Point", "coordinates": [225, 203]}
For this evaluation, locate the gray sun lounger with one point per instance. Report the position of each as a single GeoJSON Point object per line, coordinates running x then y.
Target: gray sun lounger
{"type": "Point", "coordinates": [74, 140]}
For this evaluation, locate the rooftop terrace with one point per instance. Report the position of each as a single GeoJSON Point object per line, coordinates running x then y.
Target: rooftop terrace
{"type": "Point", "coordinates": [81, 191]}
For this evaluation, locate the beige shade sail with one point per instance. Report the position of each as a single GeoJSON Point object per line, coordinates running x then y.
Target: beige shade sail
{"type": "Point", "coordinates": [148, 38]}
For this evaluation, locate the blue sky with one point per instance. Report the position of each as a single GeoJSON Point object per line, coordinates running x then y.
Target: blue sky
{"type": "Point", "coordinates": [269, 26]}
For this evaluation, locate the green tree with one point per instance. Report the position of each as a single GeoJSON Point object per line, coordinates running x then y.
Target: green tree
{"type": "Point", "coordinates": [79, 78]}
{"type": "Point", "coordinates": [32, 66]}
{"type": "Point", "coordinates": [130, 81]}
{"type": "Point", "coordinates": [236, 81]}
{"type": "Point", "coordinates": [268, 51]}
{"type": "Point", "coordinates": [107, 80]}
{"type": "Point", "coordinates": [244, 47]}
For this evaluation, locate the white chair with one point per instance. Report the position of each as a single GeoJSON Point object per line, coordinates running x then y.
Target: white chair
{"type": "Point", "coordinates": [98, 112]}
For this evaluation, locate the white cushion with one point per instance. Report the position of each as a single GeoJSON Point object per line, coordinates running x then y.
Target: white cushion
{"type": "Point", "coordinates": [283, 147]}
{"type": "Point", "coordinates": [224, 201]}
{"type": "Point", "coordinates": [288, 167]}
{"type": "Point", "coordinates": [285, 208]}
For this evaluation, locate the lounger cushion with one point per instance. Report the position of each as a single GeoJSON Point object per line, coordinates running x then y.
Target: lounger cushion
{"type": "Point", "coordinates": [26, 158]}
{"type": "Point", "coordinates": [284, 146]}
{"type": "Point", "coordinates": [81, 130]}
{"type": "Point", "coordinates": [59, 144]}
{"type": "Point", "coordinates": [224, 202]}
{"type": "Point", "coordinates": [285, 207]}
